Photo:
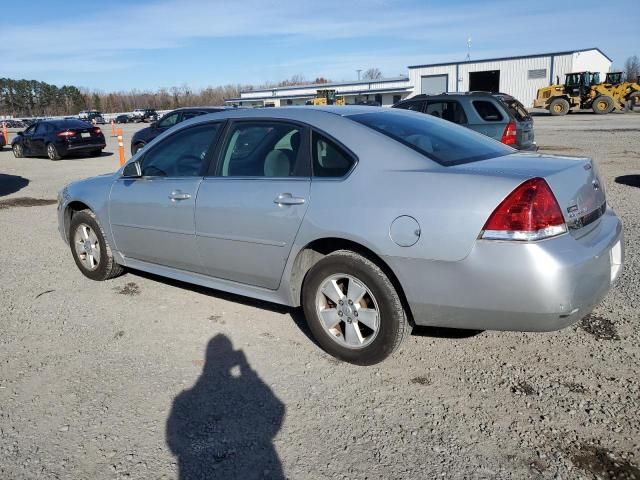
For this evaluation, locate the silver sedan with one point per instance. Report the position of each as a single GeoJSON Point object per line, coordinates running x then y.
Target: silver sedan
{"type": "Point", "coordinates": [373, 220]}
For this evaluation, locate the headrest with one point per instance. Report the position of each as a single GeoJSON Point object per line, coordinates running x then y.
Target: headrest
{"type": "Point", "coordinates": [277, 164]}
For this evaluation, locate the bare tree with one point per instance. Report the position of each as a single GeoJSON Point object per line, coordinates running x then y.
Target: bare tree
{"type": "Point", "coordinates": [372, 74]}
{"type": "Point", "coordinates": [632, 67]}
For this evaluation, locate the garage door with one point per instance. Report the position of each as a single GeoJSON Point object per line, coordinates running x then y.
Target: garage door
{"type": "Point", "coordinates": [433, 84]}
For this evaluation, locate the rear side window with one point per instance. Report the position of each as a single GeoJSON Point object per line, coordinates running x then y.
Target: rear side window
{"type": "Point", "coordinates": [487, 111]}
{"type": "Point", "coordinates": [442, 142]}
{"type": "Point", "coordinates": [449, 110]}
{"type": "Point", "coordinates": [329, 159]}
{"type": "Point", "coordinates": [415, 106]}
{"type": "Point", "coordinates": [188, 115]}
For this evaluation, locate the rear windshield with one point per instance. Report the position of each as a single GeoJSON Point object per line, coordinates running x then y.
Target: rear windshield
{"type": "Point", "coordinates": [70, 124]}
{"type": "Point", "coordinates": [517, 109]}
{"type": "Point", "coordinates": [441, 141]}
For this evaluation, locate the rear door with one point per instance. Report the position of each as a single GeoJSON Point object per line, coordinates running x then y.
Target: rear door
{"type": "Point", "coordinates": [152, 217]}
{"type": "Point", "coordinates": [250, 208]}
{"type": "Point", "coordinates": [36, 142]}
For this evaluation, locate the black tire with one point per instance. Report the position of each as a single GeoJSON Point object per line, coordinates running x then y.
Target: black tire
{"type": "Point", "coordinates": [602, 105]}
{"type": "Point", "coordinates": [18, 151]}
{"type": "Point", "coordinates": [52, 152]}
{"type": "Point", "coordinates": [107, 267]}
{"type": "Point", "coordinates": [558, 107]}
{"type": "Point", "coordinates": [136, 147]}
{"type": "Point", "coordinates": [393, 324]}
{"type": "Point", "coordinates": [95, 153]}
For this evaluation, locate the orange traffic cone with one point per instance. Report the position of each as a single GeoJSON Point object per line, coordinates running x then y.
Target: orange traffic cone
{"type": "Point", "coordinates": [120, 147]}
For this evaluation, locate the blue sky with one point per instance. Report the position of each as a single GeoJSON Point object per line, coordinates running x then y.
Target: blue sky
{"type": "Point", "coordinates": [121, 45]}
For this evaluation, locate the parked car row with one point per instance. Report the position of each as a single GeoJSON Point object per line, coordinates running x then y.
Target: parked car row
{"type": "Point", "coordinates": [285, 205]}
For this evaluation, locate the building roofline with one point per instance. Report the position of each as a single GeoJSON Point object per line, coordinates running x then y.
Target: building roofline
{"type": "Point", "coordinates": [332, 84]}
{"type": "Point", "coordinates": [312, 95]}
{"type": "Point", "coordinates": [518, 57]}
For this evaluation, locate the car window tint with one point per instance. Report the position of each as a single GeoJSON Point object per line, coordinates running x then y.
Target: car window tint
{"type": "Point", "coordinates": [487, 111]}
{"type": "Point", "coordinates": [181, 154]}
{"type": "Point", "coordinates": [415, 106]}
{"type": "Point", "coordinates": [31, 129]}
{"type": "Point", "coordinates": [188, 115]}
{"type": "Point", "coordinates": [329, 160]}
{"type": "Point", "coordinates": [447, 110]}
{"type": "Point", "coordinates": [442, 142]}
{"type": "Point", "coordinates": [517, 110]}
{"type": "Point", "coordinates": [40, 128]}
{"type": "Point", "coordinates": [263, 149]}
{"type": "Point", "coordinates": [169, 121]}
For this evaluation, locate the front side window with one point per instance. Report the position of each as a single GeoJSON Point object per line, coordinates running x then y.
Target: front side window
{"type": "Point", "coordinates": [329, 159]}
{"type": "Point", "coordinates": [444, 143]}
{"type": "Point", "coordinates": [182, 154]}
{"type": "Point", "coordinates": [169, 121]}
{"type": "Point", "coordinates": [487, 111]}
{"type": "Point", "coordinates": [263, 149]}
{"type": "Point", "coordinates": [447, 110]}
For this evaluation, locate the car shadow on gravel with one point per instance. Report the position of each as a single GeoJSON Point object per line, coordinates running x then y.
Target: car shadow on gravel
{"type": "Point", "coordinates": [11, 184]}
{"type": "Point", "coordinates": [223, 426]}
{"type": "Point", "coordinates": [629, 180]}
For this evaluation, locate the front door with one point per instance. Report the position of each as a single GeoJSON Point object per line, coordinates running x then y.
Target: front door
{"type": "Point", "coordinates": [35, 141]}
{"type": "Point", "coordinates": [249, 211]}
{"type": "Point", "coordinates": [152, 217]}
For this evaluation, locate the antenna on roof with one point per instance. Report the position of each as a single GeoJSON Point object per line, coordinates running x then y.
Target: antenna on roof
{"type": "Point", "coordinates": [468, 57]}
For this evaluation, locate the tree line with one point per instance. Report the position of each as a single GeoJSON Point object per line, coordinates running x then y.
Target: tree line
{"type": "Point", "coordinates": [32, 98]}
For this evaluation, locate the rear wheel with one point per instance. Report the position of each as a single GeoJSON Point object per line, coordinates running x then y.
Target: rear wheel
{"type": "Point", "coordinates": [602, 105]}
{"type": "Point", "coordinates": [90, 249]}
{"type": "Point", "coordinates": [18, 152]}
{"type": "Point", "coordinates": [353, 309]}
{"type": "Point", "coordinates": [559, 106]}
{"type": "Point", "coordinates": [52, 152]}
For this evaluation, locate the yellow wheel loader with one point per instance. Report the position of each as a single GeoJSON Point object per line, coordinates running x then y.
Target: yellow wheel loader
{"type": "Point", "coordinates": [583, 90]}
{"type": "Point", "coordinates": [328, 97]}
{"type": "Point", "coordinates": [625, 94]}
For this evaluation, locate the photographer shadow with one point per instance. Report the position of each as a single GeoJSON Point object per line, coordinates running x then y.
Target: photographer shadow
{"type": "Point", "coordinates": [223, 427]}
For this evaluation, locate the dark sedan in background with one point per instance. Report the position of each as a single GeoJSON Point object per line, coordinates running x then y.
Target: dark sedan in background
{"type": "Point", "coordinates": [57, 139]}
{"type": "Point", "coordinates": [144, 136]}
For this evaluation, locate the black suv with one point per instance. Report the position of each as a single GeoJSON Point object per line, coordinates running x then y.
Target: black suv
{"type": "Point", "coordinates": [497, 115]}
{"type": "Point", "coordinates": [144, 136]}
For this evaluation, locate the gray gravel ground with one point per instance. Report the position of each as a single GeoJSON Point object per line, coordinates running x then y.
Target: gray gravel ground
{"type": "Point", "coordinates": [142, 378]}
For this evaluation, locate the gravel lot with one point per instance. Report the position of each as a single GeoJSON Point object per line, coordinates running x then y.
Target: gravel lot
{"type": "Point", "coordinates": [141, 377]}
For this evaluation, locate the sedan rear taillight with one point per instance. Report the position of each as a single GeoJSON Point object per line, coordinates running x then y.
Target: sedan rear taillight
{"type": "Point", "coordinates": [530, 212]}
{"type": "Point", "coordinates": [510, 135]}
{"type": "Point", "coordinates": [97, 130]}
{"type": "Point", "coordinates": [66, 134]}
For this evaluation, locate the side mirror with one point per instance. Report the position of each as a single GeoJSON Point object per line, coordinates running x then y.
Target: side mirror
{"type": "Point", "coordinates": [132, 170]}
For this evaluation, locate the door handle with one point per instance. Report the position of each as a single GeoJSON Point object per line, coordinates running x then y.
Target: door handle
{"type": "Point", "coordinates": [179, 195]}
{"type": "Point", "coordinates": [288, 199]}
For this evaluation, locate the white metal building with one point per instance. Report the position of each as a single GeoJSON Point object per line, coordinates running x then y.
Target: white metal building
{"type": "Point", "coordinates": [518, 76]}
{"type": "Point", "coordinates": [385, 91]}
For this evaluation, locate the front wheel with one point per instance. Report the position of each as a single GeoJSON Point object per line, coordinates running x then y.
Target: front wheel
{"type": "Point", "coordinates": [18, 152]}
{"type": "Point", "coordinates": [52, 152]}
{"type": "Point", "coordinates": [559, 106]}
{"type": "Point", "coordinates": [90, 249]}
{"type": "Point", "coordinates": [353, 309]}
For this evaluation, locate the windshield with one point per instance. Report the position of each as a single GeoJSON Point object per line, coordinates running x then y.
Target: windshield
{"type": "Point", "coordinates": [441, 141]}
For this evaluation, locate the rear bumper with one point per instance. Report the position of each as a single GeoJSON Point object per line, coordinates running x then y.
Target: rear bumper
{"type": "Point", "coordinates": [539, 286]}
{"type": "Point", "coordinates": [67, 148]}
{"type": "Point", "coordinates": [529, 148]}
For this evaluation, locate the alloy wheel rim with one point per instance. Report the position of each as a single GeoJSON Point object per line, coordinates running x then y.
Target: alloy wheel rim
{"type": "Point", "coordinates": [17, 150]}
{"type": "Point", "coordinates": [51, 151]}
{"type": "Point", "coordinates": [348, 311]}
{"type": "Point", "coordinates": [87, 246]}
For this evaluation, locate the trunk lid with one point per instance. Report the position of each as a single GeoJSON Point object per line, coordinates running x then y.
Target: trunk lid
{"type": "Point", "coordinates": [575, 182]}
